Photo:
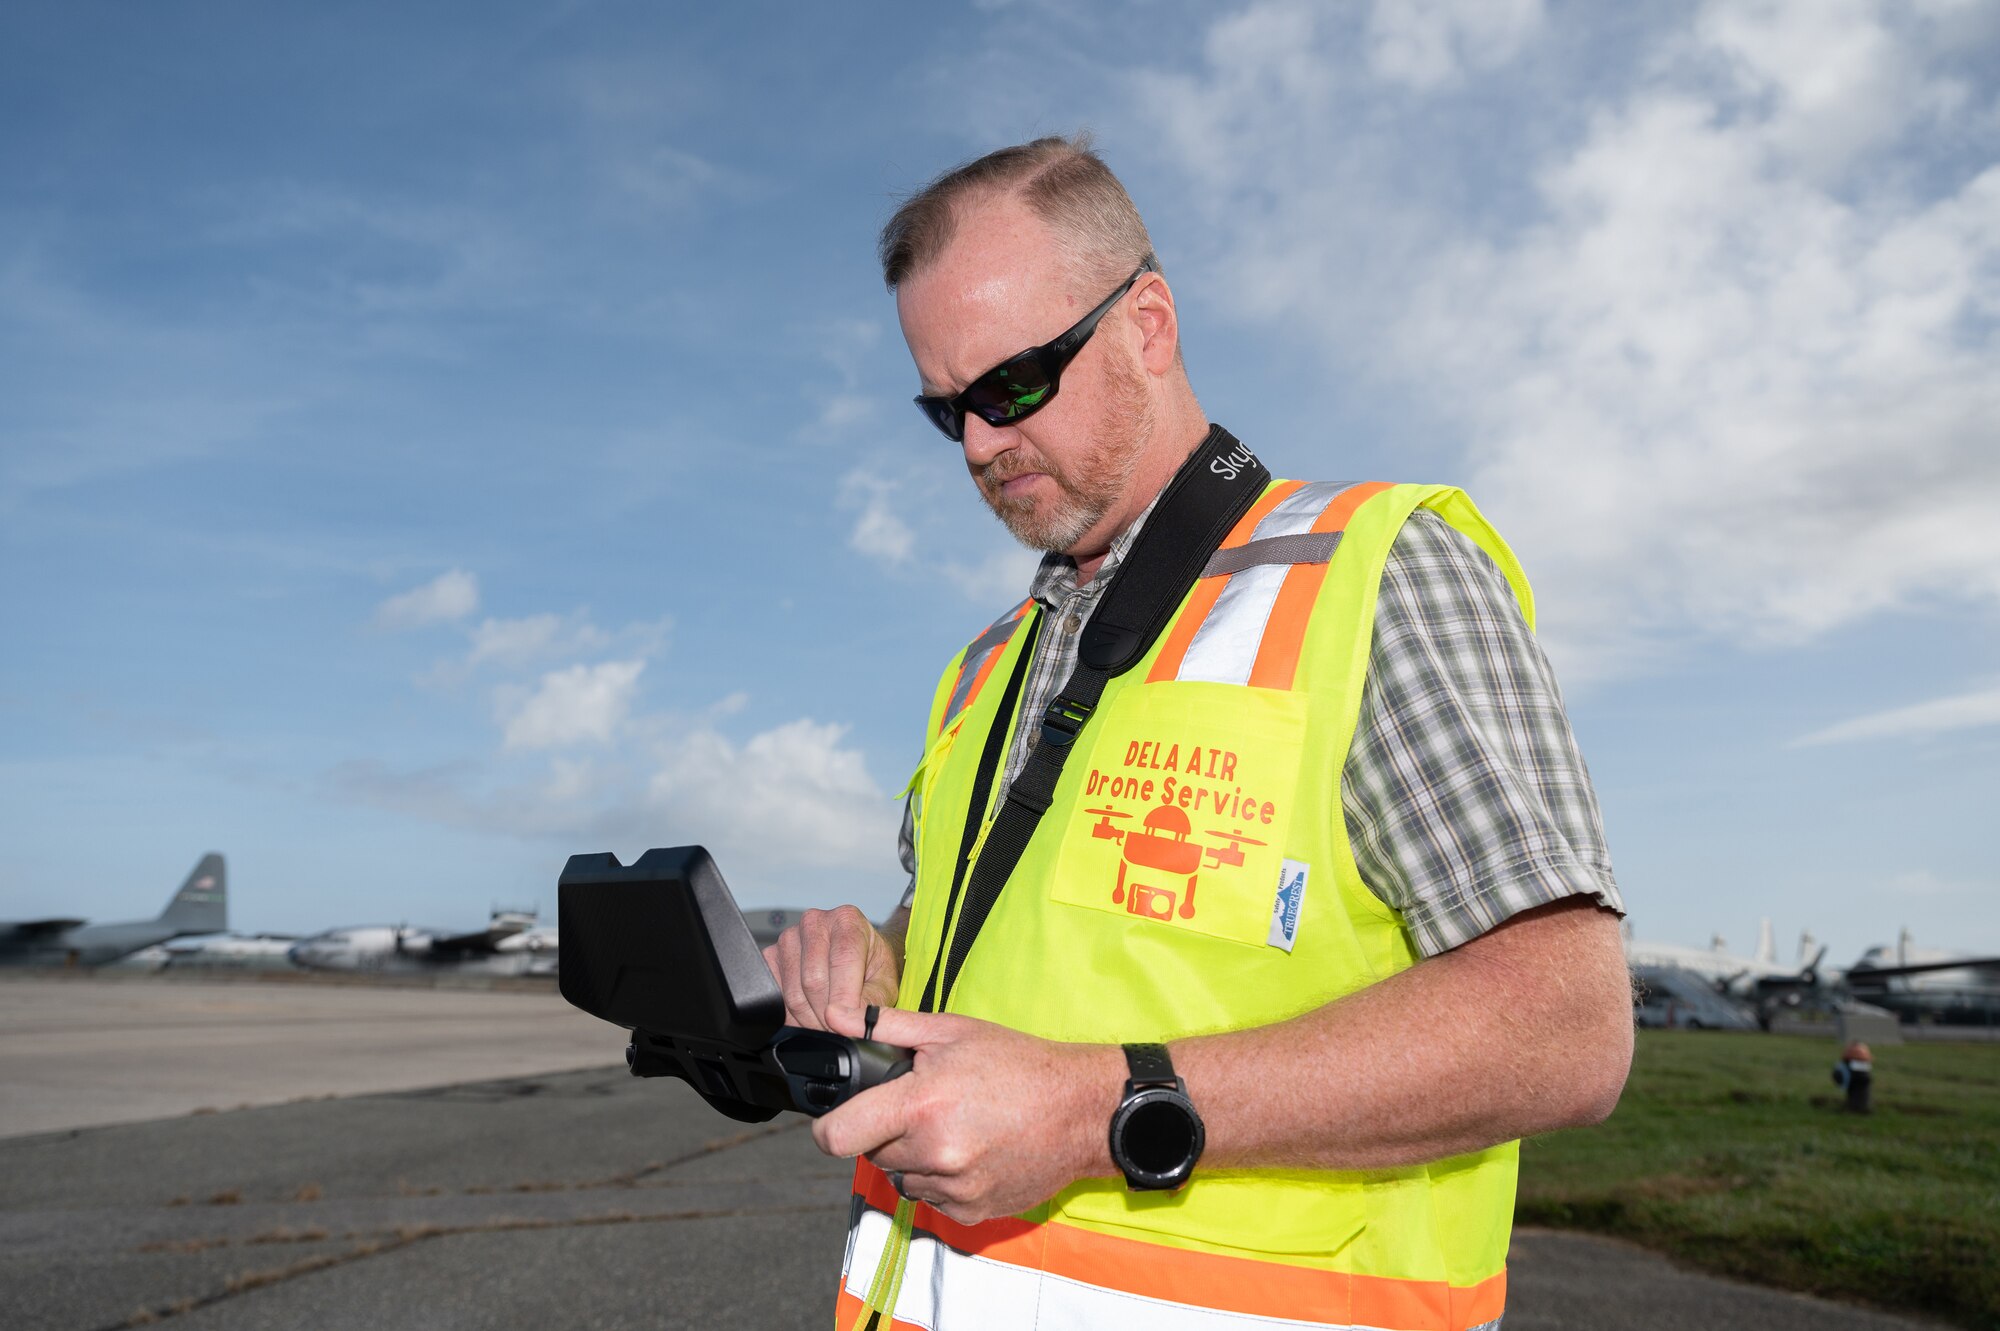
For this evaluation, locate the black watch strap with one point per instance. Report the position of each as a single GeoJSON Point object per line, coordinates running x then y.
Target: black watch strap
{"type": "Point", "coordinates": [1159, 1155]}
{"type": "Point", "coordinates": [1150, 1065]}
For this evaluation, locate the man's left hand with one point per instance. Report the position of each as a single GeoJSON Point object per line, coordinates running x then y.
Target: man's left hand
{"type": "Point", "coordinates": [988, 1121]}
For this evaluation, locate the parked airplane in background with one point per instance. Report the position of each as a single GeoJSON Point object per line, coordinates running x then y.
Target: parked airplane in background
{"type": "Point", "coordinates": [510, 944]}
{"type": "Point", "coordinates": [533, 950]}
{"type": "Point", "coordinates": [230, 952]}
{"type": "Point", "coordinates": [1728, 970]}
{"type": "Point", "coordinates": [1928, 984]}
{"type": "Point", "coordinates": [1917, 984]}
{"type": "Point", "coordinates": [201, 906]}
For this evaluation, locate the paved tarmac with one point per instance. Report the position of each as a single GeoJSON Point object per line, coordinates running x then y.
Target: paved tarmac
{"type": "Point", "coordinates": [77, 1050]}
{"type": "Point", "coordinates": [568, 1199]}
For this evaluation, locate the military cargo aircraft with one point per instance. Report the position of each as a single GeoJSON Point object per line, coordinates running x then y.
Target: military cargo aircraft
{"type": "Point", "coordinates": [1917, 984]}
{"type": "Point", "coordinates": [510, 944]}
{"type": "Point", "coordinates": [229, 952]}
{"type": "Point", "coordinates": [1928, 984]}
{"type": "Point", "coordinates": [201, 906]}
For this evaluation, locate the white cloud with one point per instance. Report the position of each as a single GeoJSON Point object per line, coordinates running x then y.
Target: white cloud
{"type": "Point", "coordinates": [1000, 579]}
{"type": "Point", "coordinates": [1719, 398]}
{"type": "Point", "coordinates": [1265, 74]}
{"type": "Point", "coordinates": [842, 405]}
{"type": "Point", "coordinates": [792, 811]}
{"type": "Point", "coordinates": [1841, 81]}
{"type": "Point", "coordinates": [790, 795]}
{"type": "Point", "coordinates": [579, 705]}
{"type": "Point", "coordinates": [879, 531]}
{"type": "Point", "coordinates": [578, 760]}
{"type": "Point", "coordinates": [886, 530]}
{"type": "Point", "coordinates": [845, 410]}
{"type": "Point", "coordinates": [571, 781]}
{"type": "Point", "coordinates": [633, 113]}
{"type": "Point", "coordinates": [1428, 43]}
{"type": "Point", "coordinates": [1963, 711]}
{"type": "Point", "coordinates": [449, 596]}
{"type": "Point", "coordinates": [1727, 371]}
{"type": "Point", "coordinates": [504, 645]}
{"type": "Point", "coordinates": [515, 641]}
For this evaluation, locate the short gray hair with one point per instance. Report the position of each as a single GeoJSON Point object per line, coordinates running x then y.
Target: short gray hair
{"type": "Point", "coordinates": [1062, 180]}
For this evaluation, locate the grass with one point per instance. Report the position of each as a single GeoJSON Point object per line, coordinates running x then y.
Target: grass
{"type": "Point", "coordinates": [1730, 1152]}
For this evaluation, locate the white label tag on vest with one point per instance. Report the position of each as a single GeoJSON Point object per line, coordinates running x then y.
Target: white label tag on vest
{"type": "Point", "coordinates": [1285, 906]}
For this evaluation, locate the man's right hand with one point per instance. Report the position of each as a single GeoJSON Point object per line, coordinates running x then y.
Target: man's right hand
{"type": "Point", "coordinates": [834, 961]}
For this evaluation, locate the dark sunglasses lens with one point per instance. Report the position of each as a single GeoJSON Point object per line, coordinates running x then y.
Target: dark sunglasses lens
{"type": "Point", "coordinates": [1018, 388]}
{"type": "Point", "coordinates": [940, 412]}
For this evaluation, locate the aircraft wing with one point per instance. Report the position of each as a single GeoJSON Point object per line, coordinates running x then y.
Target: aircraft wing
{"type": "Point", "coordinates": [483, 943]}
{"type": "Point", "coordinates": [1924, 968]}
{"type": "Point", "coordinates": [25, 929]}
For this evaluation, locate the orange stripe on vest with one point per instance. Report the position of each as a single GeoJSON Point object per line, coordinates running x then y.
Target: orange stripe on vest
{"type": "Point", "coordinates": [1204, 1279]}
{"type": "Point", "coordinates": [1168, 664]}
{"type": "Point", "coordinates": [1285, 631]}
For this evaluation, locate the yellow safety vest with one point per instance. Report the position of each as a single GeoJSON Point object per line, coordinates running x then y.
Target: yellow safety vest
{"type": "Point", "coordinates": [1193, 875]}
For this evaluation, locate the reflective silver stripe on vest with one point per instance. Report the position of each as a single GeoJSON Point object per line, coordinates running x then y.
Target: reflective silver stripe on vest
{"type": "Point", "coordinates": [1225, 647]}
{"type": "Point", "coordinates": [992, 640]}
{"type": "Point", "coordinates": [1315, 547]}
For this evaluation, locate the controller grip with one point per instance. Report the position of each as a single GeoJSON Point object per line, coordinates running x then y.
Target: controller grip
{"type": "Point", "coordinates": [825, 1071]}
{"type": "Point", "coordinates": [878, 1062]}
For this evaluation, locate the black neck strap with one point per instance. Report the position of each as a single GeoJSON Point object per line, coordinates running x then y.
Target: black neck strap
{"type": "Point", "coordinates": [1194, 515]}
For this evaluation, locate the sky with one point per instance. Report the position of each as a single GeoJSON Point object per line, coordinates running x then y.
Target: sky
{"type": "Point", "coordinates": [437, 439]}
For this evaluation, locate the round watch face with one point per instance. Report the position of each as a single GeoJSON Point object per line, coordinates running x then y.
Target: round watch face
{"type": "Point", "coordinates": [1156, 1137]}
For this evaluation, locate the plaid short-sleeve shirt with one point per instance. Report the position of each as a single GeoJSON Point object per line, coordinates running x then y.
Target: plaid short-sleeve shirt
{"type": "Point", "coordinates": [1465, 797]}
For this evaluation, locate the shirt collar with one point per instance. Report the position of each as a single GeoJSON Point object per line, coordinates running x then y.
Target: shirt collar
{"type": "Point", "coordinates": [1055, 578]}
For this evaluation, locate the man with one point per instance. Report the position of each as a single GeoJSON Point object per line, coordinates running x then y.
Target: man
{"type": "Point", "coordinates": [1325, 862]}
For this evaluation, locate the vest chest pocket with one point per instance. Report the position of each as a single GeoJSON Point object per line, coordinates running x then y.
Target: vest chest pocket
{"type": "Point", "coordinates": [1181, 814]}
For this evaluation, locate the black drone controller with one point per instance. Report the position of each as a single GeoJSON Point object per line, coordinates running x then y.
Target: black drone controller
{"type": "Point", "coordinates": [660, 948]}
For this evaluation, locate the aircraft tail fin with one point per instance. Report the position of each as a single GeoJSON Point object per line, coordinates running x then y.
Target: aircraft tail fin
{"type": "Point", "coordinates": [202, 904]}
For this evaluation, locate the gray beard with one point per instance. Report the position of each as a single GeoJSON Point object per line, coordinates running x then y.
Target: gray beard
{"type": "Point", "coordinates": [1053, 532]}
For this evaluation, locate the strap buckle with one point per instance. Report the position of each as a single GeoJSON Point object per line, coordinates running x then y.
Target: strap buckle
{"type": "Point", "coordinates": [1064, 717]}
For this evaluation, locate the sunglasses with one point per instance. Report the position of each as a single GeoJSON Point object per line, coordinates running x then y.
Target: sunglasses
{"type": "Point", "coordinates": [1025, 382]}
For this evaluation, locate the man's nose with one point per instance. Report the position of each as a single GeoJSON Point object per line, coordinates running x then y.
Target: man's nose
{"type": "Point", "coordinates": [985, 442]}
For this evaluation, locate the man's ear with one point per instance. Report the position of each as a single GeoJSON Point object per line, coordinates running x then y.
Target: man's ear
{"type": "Point", "coordinates": [1159, 325]}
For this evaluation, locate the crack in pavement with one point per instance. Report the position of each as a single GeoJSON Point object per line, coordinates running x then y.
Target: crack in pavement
{"type": "Point", "coordinates": [245, 1282]}
{"type": "Point", "coordinates": [368, 1243]}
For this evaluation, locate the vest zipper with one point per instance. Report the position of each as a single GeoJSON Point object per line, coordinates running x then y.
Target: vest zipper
{"type": "Point", "coordinates": [887, 1285]}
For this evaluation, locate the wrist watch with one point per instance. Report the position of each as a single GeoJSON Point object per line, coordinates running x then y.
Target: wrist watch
{"type": "Point", "coordinates": [1156, 1135]}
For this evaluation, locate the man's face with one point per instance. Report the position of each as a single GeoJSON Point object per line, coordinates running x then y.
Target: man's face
{"type": "Point", "coordinates": [1057, 479]}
